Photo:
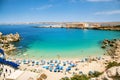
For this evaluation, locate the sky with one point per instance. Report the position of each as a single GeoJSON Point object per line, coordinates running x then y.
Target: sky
{"type": "Point", "coordinates": [59, 11]}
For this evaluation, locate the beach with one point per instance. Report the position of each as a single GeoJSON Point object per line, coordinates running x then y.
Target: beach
{"type": "Point", "coordinates": [48, 67]}
{"type": "Point", "coordinates": [81, 55]}
{"type": "Point", "coordinates": [59, 39]}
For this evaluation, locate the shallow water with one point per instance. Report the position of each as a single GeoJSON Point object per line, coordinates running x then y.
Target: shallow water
{"type": "Point", "coordinates": [54, 42]}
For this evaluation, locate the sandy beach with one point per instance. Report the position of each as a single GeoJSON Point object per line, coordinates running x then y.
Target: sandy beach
{"type": "Point", "coordinates": [81, 66]}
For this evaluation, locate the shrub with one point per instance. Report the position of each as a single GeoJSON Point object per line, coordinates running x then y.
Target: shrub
{"type": "Point", "coordinates": [112, 64]}
{"type": "Point", "coordinates": [117, 77]}
{"type": "Point", "coordinates": [79, 77]}
{"type": "Point", "coordinates": [95, 74]}
{"type": "Point", "coordinates": [43, 76]}
{"type": "Point", "coordinates": [65, 78]}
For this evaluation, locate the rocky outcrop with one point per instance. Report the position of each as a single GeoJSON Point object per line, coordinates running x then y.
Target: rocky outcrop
{"type": "Point", "coordinates": [6, 40]}
{"type": "Point", "coordinates": [112, 47]}
{"type": "Point", "coordinates": [117, 28]}
{"type": "Point", "coordinates": [110, 74]}
{"type": "Point", "coordinates": [9, 38]}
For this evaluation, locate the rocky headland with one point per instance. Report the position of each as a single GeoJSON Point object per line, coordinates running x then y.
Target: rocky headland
{"type": "Point", "coordinates": [112, 47]}
{"type": "Point", "coordinates": [116, 28]}
{"type": "Point", "coordinates": [112, 71]}
{"type": "Point", "coordinates": [7, 40]}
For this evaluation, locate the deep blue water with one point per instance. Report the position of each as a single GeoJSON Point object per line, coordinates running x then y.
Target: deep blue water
{"type": "Point", "coordinates": [50, 42]}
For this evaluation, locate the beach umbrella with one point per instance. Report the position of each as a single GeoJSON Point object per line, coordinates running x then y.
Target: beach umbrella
{"type": "Point", "coordinates": [51, 61]}
{"type": "Point", "coordinates": [2, 52]}
{"type": "Point", "coordinates": [86, 59]}
{"type": "Point", "coordinates": [64, 63]}
{"type": "Point", "coordinates": [91, 73]}
{"type": "Point", "coordinates": [55, 70]}
{"type": "Point", "coordinates": [82, 60]}
{"type": "Point", "coordinates": [50, 69]}
{"type": "Point", "coordinates": [72, 65]}
{"type": "Point", "coordinates": [68, 69]}
{"type": "Point", "coordinates": [56, 61]}
{"type": "Point", "coordinates": [10, 63]}
{"type": "Point", "coordinates": [2, 60]}
{"type": "Point", "coordinates": [37, 63]}
{"type": "Point", "coordinates": [48, 63]}
{"type": "Point", "coordinates": [99, 58]}
{"type": "Point", "coordinates": [46, 67]}
{"type": "Point", "coordinates": [52, 65]}
{"type": "Point", "coordinates": [60, 67]}
{"type": "Point", "coordinates": [80, 72]}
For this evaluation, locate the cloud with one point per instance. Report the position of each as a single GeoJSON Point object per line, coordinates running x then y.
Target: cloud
{"type": "Point", "coordinates": [43, 7]}
{"type": "Point", "coordinates": [108, 12]}
{"type": "Point", "coordinates": [99, 0]}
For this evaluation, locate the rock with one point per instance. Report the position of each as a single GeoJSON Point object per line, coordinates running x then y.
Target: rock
{"type": "Point", "coordinates": [118, 71]}
{"type": "Point", "coordinates": [111, 72]}
{"type": "Point", "coordinates": [103, 77]}
{"type": "Point", "coordinates": [0, 34]}
{"type": "Point", "coordinates": [6, 41]}
{"type": "Point", "coordinates": [112, 47]}
{"type": "Point", "coordinates": [106, 41]}
{"type": "Point", "coordinates": [103, 46]}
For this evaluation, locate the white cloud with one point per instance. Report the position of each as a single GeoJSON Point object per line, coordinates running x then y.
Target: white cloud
{"type": "Point", "coordinates": [43, 7]}
{"type": "Point", "coordinates": [108, 12]}
{"type": "Point", "coordinates": [99, 0]}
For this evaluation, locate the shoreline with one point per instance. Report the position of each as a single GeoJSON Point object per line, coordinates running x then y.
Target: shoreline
{"type": "Point", "coordinates": [78, 66]}
{"type": "Point", "coordinates": [95, 64]}
{"type": "Point", "coordinates": [68, 66]}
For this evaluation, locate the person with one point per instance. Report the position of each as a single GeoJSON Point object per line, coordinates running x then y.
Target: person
{"type": "Point", "coordinates": [4, 75]}
{"type": "Point", "coordinates": [10, 71]}
{"type": "Point", "coordinates": [0, 74]}
{"type": "Point", "coordinates": [6, 70]}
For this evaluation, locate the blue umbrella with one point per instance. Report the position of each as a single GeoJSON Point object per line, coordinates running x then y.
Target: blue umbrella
{"type": "Point", "coordinates": [68, 69]}
{"type": "Point", "coordinates": [46, 67]}
{"type": "Point", "coordinates": [55, 70]}
{"type": "Point", "coordinates": [2, 52]}
{"type": "Point", "coordinates": [51, 69]}
{"type": "Point", "coordinates": [10, 63]}
{"type": "Point", "coordinates": [80, 72]}
{"type": "Point", "coordinates": [37, 63]}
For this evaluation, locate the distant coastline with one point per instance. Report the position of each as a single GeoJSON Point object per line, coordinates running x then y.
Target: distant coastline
{"type": "Point", "coordinates": [84, 25]}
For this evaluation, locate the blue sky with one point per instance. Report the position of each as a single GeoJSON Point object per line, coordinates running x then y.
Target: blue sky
{"type": "Point", "coordinates": [59, 10]}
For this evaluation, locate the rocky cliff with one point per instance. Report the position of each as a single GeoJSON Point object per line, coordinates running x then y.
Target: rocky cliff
{"type": "Point", "coordinates": [6, 41]}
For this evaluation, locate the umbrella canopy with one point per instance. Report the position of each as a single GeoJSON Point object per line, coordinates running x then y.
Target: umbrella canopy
{"type": "Point", "coordinates": [10, 63]}
{"type": "Point", "coordinates": [2, 52]}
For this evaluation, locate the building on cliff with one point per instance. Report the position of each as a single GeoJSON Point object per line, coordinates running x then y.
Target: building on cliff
{"type": "Point", "coordinates": [77, 25]}
{"type": "Point", "coordinates": [95, 25]}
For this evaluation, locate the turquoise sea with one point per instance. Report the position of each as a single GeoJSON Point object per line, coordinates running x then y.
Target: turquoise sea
{"type": "Point", "coordinates": [58, 42]}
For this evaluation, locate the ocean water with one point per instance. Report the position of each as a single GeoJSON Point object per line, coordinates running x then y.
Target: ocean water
{"type": "Point", "coordinates": [58, 42]}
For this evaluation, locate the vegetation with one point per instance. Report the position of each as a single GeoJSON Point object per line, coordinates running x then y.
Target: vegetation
{"type": "Point", "coordinates": [95, 74]}
{"type": "Point", "coordinates": [65, 78]}
{"type": "Point", "coordinates": [77, 77]}
{"type": "Point", "coordinates": [112, 64]}
{"type": "Point", "coordinates": [117, 77]}
{"type": "Point", "coordinates": [43, 76]}
{"type": "Point", "coordinates": [117, 26]}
